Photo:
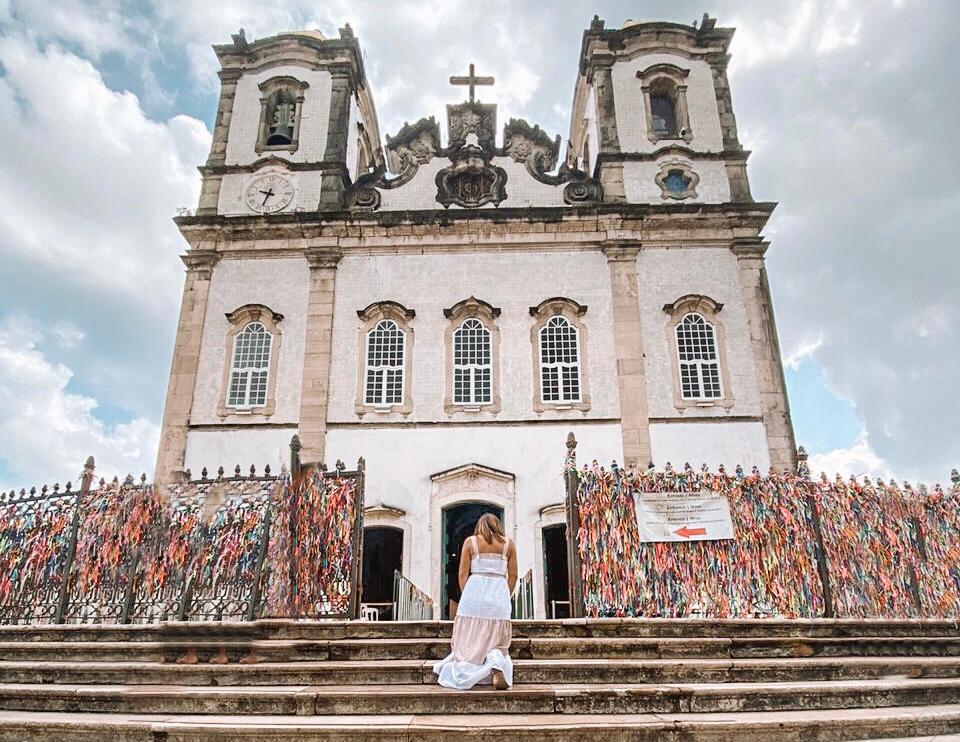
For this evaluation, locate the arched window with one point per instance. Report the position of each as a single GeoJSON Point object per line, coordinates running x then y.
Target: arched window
{"type": "Point", "coordinates": [698, 357]}
{"type": "Point", "coordinates": [559, 361]}
{"type": "Point", "coordinates": [664, 88]}
{"type": "Point", "coordinates": [472, 364]}
{"type": "Point", "coordinates": [384, 364]}
{"type": "Point", "coordinates": [250, 369]}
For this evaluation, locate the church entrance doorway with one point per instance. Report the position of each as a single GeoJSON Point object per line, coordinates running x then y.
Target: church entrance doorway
{"type": "Point", "coordinates": [557, 589]}
{"type": "Point", "coordinates": [458, 523]}
{"type": "Point", "coordinates": [382, 554]}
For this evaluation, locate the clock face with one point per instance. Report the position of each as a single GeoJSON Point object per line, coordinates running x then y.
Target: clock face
{"type": "Point", "coordinates": [269, 193]}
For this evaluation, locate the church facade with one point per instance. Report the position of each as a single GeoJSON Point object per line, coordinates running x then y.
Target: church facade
{"type": "Point", "coordinates": [450, 304]}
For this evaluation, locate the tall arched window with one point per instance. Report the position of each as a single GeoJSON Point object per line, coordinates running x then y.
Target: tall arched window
{"type": "Point", "coordinates": [698, 357]}
{"type": "Point", "coordinates": [472, 364]}
{"type": "Point", "coordinates": [250, 369]}
{"type": "Point", "coordinates": [559, 361]}
{"type": "Point", "coordinates": [384, 364]}
{"type": "Point", "coordinates": [664, 88]}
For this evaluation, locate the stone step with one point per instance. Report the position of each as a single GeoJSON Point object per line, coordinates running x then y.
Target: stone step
{"type": "Point", "coordinates": [289, 650]}
{"type": "Point", "coordinates": [569, 628]}
{"type": "Point", "coordinates": [774, 726]}
{"type": "Point", "coordinates": [522, 699]}
{"type": "Point", "coordinates": [394, 672]}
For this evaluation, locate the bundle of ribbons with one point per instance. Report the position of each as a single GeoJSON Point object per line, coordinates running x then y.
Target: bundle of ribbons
{"type": "Point", "coordinates": [888, 551]}
{"type": "Point", "coordinates": [312, 550]}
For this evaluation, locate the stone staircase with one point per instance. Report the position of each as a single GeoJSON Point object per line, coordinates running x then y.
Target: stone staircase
{"type": "Point", "coordinates": [575, 679]}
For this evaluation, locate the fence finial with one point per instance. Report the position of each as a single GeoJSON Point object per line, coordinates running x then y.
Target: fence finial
{"type": "Point", "coordinates": [570, 460]}
{"type": "Point", "coordinates": [803, 468]}
{"type": "Point", "coordinates": [955, 477]}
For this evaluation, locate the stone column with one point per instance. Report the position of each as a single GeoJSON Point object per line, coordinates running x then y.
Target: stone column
{"type": "Point", "coordinates": [183, 371]}
{"type": "Point", "coordinates": [210, 188]}
{"type": "Point", "coordinates": [315, 384]}
{"type": "Point", "coordinates": [611, 170]}
{"type": "Point", "coordinates": [333, 181]}
{"type": "Point", "coordinates": [628, 345]}
{"type": "Point", "coordinates": [766, 353]}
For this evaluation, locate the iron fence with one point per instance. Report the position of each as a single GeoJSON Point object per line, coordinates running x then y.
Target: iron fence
{"type": "Point", "coordinates": [522, 598]}
{"type": "Point", "coordinates": [225, 548]}
{"type": "Point", "coordinates": [410, 603]}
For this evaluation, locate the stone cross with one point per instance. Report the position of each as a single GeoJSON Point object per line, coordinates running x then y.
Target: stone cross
{"type": "Point", "coordinates": [472, 80]}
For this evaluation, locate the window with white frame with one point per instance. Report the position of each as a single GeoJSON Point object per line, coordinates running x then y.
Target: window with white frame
{"type": "Point", "coordinates": [699, 362]}
{"type": "Point", "coordinates": [250, 369]}
{"type": "Point", "coordinates": [559, 361]}
{"type": "Point", "coordinates": [472, 364]}
{"type": "Point", "coordinates": [384, 377]}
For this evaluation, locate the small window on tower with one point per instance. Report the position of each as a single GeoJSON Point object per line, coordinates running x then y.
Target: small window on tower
{"type": "Point", "coordinates": [251, 361]}
{"type": "Point", "coordinates": [281, 108]}
{"type": "Point", "coordinates": [677, 180]}
{"type": "Point", "coordinates": [664, 88]}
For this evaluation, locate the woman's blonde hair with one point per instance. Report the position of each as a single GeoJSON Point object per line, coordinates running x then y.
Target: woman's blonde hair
{"type": "Point", "coordinates": [489, 527]}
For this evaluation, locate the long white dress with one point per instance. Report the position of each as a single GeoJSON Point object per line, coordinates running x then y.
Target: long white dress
{"type": "Point", "coordinates": [481, 629]}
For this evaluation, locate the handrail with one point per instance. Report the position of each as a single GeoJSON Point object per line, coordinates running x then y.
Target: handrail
{"type": "Point", "coordinates": [410, 603]}
{"type": "Point", "coordinates": [522, 598]}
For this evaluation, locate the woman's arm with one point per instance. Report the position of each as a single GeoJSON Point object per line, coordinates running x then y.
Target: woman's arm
{"type": "Point", "coordinates": [464, 564]}
{"type": "Point", "coordinates": [512, 567]}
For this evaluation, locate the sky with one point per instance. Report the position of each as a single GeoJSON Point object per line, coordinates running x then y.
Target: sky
{"type": "Point", "coordinates": [849, 108]}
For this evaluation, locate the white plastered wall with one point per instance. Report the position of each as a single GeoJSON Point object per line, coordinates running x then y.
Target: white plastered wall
{"type": "Point", "coordinates": [228, 448]}
{"type": "Point", "coordinates": [283, 286]}
{"type": "Point", "coordinates": [401, 462]}
{"type": "Point", "coordinates": [314, 116]}
{"type": "Point", "coordinates": [512, 282]}
{"type": "Point", "coordinates": [667, 274]}
{"type": "Point", "coordinates": [701, 104]}
{"type": "Point", "coordinates": [710, 443]}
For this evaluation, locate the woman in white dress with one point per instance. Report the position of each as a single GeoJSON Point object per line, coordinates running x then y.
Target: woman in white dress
{"type": "Point", "coordinates": [481, 630]}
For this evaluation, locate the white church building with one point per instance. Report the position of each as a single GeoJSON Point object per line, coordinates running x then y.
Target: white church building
{"type": "Point", "coordinates": [451, 300]}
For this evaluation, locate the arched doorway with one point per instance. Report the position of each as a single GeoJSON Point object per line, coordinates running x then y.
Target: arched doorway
{"type": "Point", "coordinates": [458, 523]}
{"type": "Point", "coordinates": [382, 554]}
{"type": "Point", "coordinates": [556, 591]}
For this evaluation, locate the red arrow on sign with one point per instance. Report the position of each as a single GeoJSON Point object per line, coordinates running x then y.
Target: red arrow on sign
{"type": "Point", "coordinates": [688, 532]}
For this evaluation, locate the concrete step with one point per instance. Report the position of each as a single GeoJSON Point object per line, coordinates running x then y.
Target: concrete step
{"type": "Point", "coordinates": [569, 628]}
{"type": "Point", "coordinates": [410, 671]}
{"type": "Point", "coordinates": [773, 726]}
{"type": "Point", "coordinates": [522, 699]}
{"type": "Point", "coordinates": [290, 650]}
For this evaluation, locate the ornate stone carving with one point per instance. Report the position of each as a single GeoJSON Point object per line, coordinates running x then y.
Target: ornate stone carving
{"type": "Point", "coordinates": [530, 144]}
{"type": "Point", "coordinates": [464, 119]}
{"type": "Point", "coordinates": [417, 142]}
{"type": "Point", "coordinates": [471, 181]}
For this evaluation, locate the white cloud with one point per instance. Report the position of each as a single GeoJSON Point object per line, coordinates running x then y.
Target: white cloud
{"type": "Point", "coordinates": [89, 183]}
{"type": "Point", "coordinates": [46, 431]}
{"type": "Point", "coordinates": [68, 336]}
{"type": "Point", "coordinates": [801, 351]}
{"type": "Point", "coordinates": [856, 460]}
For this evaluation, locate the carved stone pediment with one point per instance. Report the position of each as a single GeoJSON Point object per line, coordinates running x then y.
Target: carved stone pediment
{"type": "Point", "coordinates": [531, 144]}
{"type": "Point", "coordinates": [417, 143]}
{"type": "Point", "coordinates": [464, 119]}
{"type": "Point", "coordinates": [474, 478]}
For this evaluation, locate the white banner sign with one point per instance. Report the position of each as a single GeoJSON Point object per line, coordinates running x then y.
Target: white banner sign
{"type": "Point", "coordinates": [682, 516]}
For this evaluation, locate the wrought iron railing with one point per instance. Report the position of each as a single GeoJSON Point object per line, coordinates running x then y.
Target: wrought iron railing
{"type": "Point", "coordinates": [229, 548]}
{"type": "Point", "coordinates": [410, 603]}
{"type": "Point", "coordinates": [522, 598]}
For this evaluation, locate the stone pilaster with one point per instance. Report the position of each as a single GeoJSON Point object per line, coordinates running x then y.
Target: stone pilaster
{"type": "Point", "coordinates": [333, 184]}
{"type": "Point", "coordinates": [611, 172]}
{"type": "Point", "coordinates": [315, 384]}
{"type": "Point", "coordinates": [766, 354]}
{"type": "Point", "coordinates": [183, 371]}
{"type": "Point", "coordinates": [628, 346]}
{"type": "Point", "coordinates": [210, 188]}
